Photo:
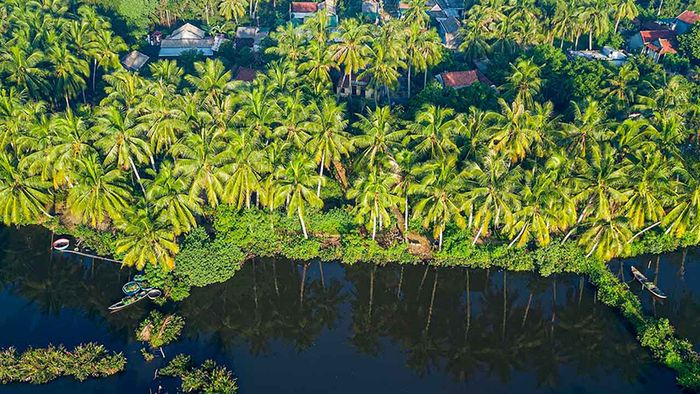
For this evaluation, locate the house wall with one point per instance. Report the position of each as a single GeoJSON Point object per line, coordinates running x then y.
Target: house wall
{"type": "Point", "coordinates": [681, 27]}
{"type": "Point", "coordinates": [635, 42]}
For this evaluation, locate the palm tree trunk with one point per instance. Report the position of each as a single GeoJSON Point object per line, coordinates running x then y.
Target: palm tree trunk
{"type": "Point", "coordinates": [409, 80]}
{"type": "Point", "coordinates": [478, 233]}
{"type": "Point", "coordinates": [320, 174]}
{"type": "Point", "coordinates": [425, 77]}
{"type": "Point", "coordinates": [374, 227]}
{"type": "Point", "coordinates": [617, 22]}
{"type": "Point", "coordinates": [405, 220]}
{"type": "Point", "coordinates": [94, 74]}
{"type": "Point", "coordinates": [398, 289]}
{"type": "Point", "coordinates": [303, 224]}
{"type": "Point", "coordinates": [590, 40]}
{"type": "Point", "coordinates": [67, 101]}
{"type": "Point", "coordinates": [644, 231]}
{"type": "Point", "coordinates": [138, 177]}
{"type": "Point", "coordinates": [440, 238]}
{"type": "Point", "coordinates": [518, 237]}
{"type": "Point", "coordinates": [576, 42]}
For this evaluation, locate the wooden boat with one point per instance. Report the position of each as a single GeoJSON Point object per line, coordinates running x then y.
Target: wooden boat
{"type": "Point", "coordinates": [653, 289]}
{"type": "Point", "coordinates": [61, 244]}
{"type": "Point", "coordinates": [639, 276]}
{"type": "Point", "coordinates": [647, 284]}
{"type": "Point", "coordinates": [128, 300]}
{"type": "Point", "coordinates": [151, 293]}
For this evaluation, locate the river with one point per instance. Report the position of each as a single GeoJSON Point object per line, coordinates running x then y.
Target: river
{"type": "Point", "coordinates": [291, 327]}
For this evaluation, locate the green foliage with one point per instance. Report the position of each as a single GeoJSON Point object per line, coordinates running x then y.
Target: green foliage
{"type": "Point", "coordinates": [202, 261]}
{"type": "Point", "coordinates": [137, 13]}
{"type": "Point", "coordinates": [676, 63]}
{"type": "Point", "coordinates": [42, 365]}
{"type": "Point", "coordinates": [208, 378]}
{"type": "Point", "coordinates": [159, 330]}
{"type": "Point", "coordinates": [689, 44]}
{"type": "Point", "coordinates": [174, 286]}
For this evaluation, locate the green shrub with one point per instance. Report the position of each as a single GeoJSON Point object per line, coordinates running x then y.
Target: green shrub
{"type": "Point", "coordinates": [159, 330]}
{"type": "Point", "coordinates": [42, 365]}
{"type": "Point", "coordinates": [209, 378]}
{"type": "Point", "coordinates": [202, 262]}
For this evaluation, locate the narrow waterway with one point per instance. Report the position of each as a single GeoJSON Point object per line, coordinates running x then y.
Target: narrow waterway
{"type": "Point", "coordinates": [291, 327]}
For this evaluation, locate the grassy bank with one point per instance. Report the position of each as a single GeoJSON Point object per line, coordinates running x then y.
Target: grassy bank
{"type": "Point", "coordinates": [214, 256]}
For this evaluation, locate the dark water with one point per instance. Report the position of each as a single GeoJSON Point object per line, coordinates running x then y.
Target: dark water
{"type": "Point", "coordinates": [286, 327]}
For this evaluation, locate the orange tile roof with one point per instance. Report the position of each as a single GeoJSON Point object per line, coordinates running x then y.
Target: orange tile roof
{"type": "Point", "coordinates": [662, 46]}
{"type": "Point", "coordinates": [304, 6]}
{"type": "Point", "coordinates": [688, 17]}
{"type": "Point", "coordinates": [653, 35]}
{"type": "Point", "coordinates": [461, 79]}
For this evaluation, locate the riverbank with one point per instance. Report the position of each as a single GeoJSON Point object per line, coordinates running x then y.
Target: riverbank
{"type": "Point", "coordinates": [215, 256]}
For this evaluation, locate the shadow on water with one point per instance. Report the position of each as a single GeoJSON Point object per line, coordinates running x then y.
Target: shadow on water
{"type": "Point", "coordinates": [294, 327]}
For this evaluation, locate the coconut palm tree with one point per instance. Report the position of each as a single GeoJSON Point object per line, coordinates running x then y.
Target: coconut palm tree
{"type": "Point", "coordinates": [201, 158]}
{"type": "Point", "coordinates": [416, 13]}
{"type": "Point", "coordinates": [491, 194]}
{"type": "Point", "coordinates": [23, 197]}
{"type": "Point", "coordinates": [544, 209]}
{"type": "Point", "coordinates": [379, 136]}
{"type": "Point", "coordinates": [382, 72]}
{"type": "Point", "coordinates": [434, 131]}
{"type": "Point", "coordinates": [620, 85]}
{"type": "Point", "coordinates": [351, 52]}
{"type": "Point", "coordinates": [23, 69]}
{"type": "Point", "coordinates": [171, 201]}
{"type": "Point", "coordinates": [121, 140]}
{"type": "Point", "coordinates": [146, 240]}
{"type": "Point", "coordinates": [69, 71]}
{"type": "Point", "coordinates": [318, 66]}
{"type": "Point", "coordinates": [651, 187]}
{"type": "Point", "coordinates": [245, 171]}
{"type": "Point", "coordinates": [233, 9]}
{"type": "Point", "coordinates": [293, 115]}
{"type": "Point", "coordinates": [442, 197]}
{"type": "Point", "coordinates": [512, 131]}
{"type": "Point", "coordinates": [524, 82]}
{"type": "Point", "coordinates": [289, 42]}
{"type": "Point", "coordinates": [375, 197]}
{"type": "Point", "coordinates": [329, 140]}
{"type": "Point", "coordinates": [100, 193]}
{"type": "Point", "coordinates": [163, 119]}
{"type": "Point", "coordinates": [297, 180]}
{"type": "Point", "coordinates": [625, 9]}
{"type": "Point", "coordinates": [684, 216]}
{"type": "Point", "coordinates": [607, 237]}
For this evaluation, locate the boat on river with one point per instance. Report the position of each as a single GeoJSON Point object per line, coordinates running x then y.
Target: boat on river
{"type": "Point", "coordinates": [151, 293]}
{"type": "Point", "coordinates": [647, 284]}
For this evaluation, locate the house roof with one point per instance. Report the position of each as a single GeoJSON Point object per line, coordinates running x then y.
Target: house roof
{"type": "Point", "coordinates": [461, 79]}
{"type": "Point", "coordinates": [245, 74]}
{"type": "Point", "coordinates": [661, 46]}
{"type": "Point", "coordinates": [246, 32]}
{"type": "Point", "coordinates": [134, 60]}
{"type": "Point", "coordinates": [188, 43]}
{"type": "Point", "coordinates": [403, 6]}
{"type": "Point", "coordinates": [450, 25]}
{"type": "Point", "coordinates": [304, 6]}
{"type": "Point", "coordinates": [653, 35]}
{"type": "Point", "coordinates": [688, 17]}
{"type": "Point", "coordinates": [186, 31]}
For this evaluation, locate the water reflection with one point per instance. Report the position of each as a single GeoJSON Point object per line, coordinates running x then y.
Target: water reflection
{"type": "Point", "coordinates": [312, 327]}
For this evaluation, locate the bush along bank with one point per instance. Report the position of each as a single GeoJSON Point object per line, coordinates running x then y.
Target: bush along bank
{"type": "Point", "coordinates": [42, 365]}
{"type": "Point", "coordinates": [239, 235]}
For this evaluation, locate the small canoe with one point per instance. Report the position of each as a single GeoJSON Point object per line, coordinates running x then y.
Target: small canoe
{"type": "Point", "coordinates": [639, 276]}
{"type": "Point", "coordinates": [139, 278]}
{"type": "Point", "coordinates": [154, 293]}
{"type": "Point", "coordinates": [653, 289]}
{"type": "Point", "coordinates": [61, 244]}
{"type": "Point", "coordinates": [128, 300]}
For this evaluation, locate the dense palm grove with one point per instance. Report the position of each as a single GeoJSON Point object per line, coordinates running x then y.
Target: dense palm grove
{"type": "Point", "coordinates": [149, 157]}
